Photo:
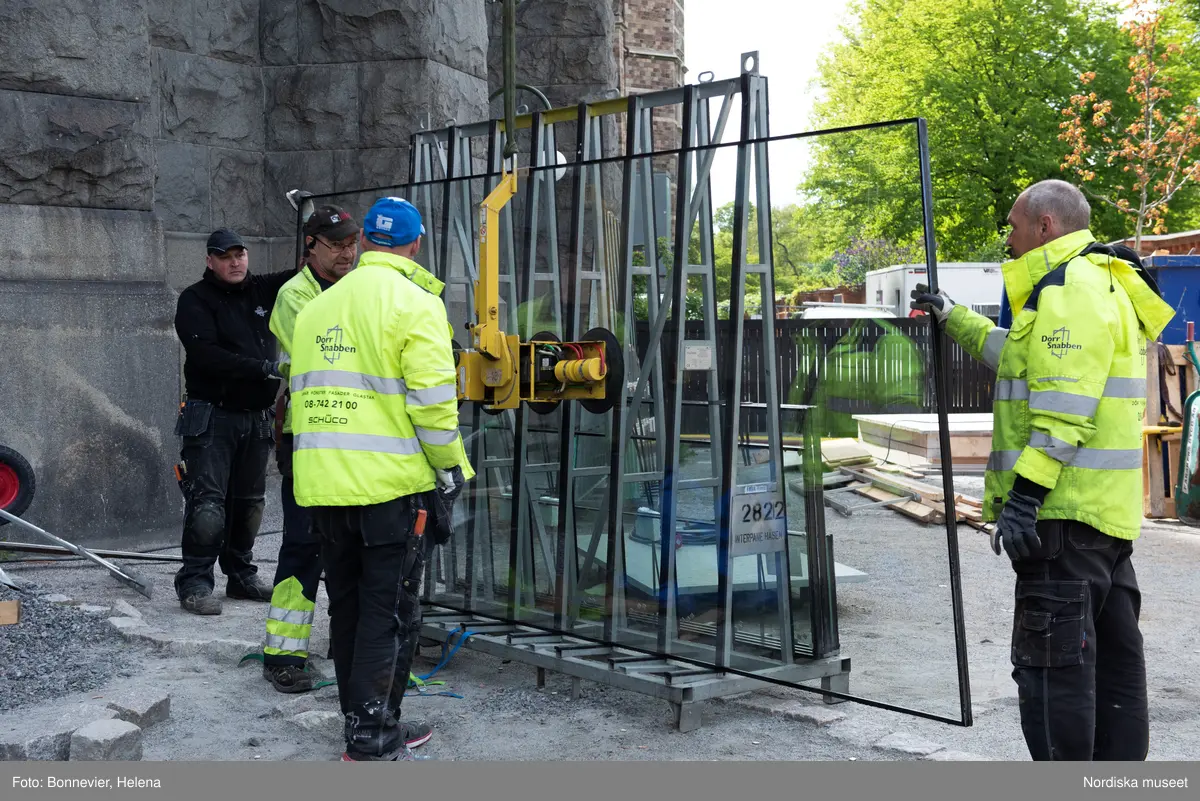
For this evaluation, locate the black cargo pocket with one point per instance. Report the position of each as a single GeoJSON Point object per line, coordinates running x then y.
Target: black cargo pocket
{"type": "Point", "coordinates": [1052, 625]}
{"type": "Point", "coordinates": [193, 423]}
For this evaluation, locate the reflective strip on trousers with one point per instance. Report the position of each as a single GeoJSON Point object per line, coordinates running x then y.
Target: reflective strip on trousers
{"type": "Point", "coordinates": [290, 644]}
{"type": "Point", "coordinates": [432, 395]}
{"type": "Point", "coordinates": [335, 440]}
{"type": "Point", "coordinates": [993, 345]}
{"type": "Point", "coordinates": [432, 436]}
{"type": "Point", "coordinates": [296, 617]}
{"type": "Point", "coordinates": [1085, 458]}
{"type": "Point", "coordinates": [344, 379]}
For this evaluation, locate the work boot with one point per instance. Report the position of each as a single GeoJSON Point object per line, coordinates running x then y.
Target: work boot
{"type": "Point", "coordinates": [288, 678]}
{"type": "Point", "coordinates": [414, 734]}
{"type": "Point", "coordinates": [253, 589]}
{"type": "Point", "coordinates": [368, 733]}
{"type": "Point", "coordinates": [201, 602]}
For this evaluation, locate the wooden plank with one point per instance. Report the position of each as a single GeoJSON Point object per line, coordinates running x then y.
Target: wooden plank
{"type": "Point", "coordinates": [1155, 504]}
{"type": "Point", "coordinates": [908, 508]}
{"type": "Point", "coordinates": [926, 491]}
{"type": "Point", "coordinates": [1153, 395]}
{"type": "Point", "coordinates": [10, 613]}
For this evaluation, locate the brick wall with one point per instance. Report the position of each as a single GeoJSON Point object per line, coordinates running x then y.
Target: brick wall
{"type": "Point", "coordinates": [650, 50]}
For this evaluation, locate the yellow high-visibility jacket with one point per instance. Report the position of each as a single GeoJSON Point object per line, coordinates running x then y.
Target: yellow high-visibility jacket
{"type": "Point", "coordinates": [1070, 383]}
{"type": "Point", "coordinates": [293, 296]}
{"type": "Point", "coordinates": [373, 387]}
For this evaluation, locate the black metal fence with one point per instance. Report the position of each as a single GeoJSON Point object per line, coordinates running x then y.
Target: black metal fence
{"type": "Point", "coordinates": [805, 349]}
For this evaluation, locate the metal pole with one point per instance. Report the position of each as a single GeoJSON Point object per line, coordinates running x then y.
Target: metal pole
{"type": "Point", "coordinates": [941, 394]}
{"type": "Point", "coordinates": [510, 78]}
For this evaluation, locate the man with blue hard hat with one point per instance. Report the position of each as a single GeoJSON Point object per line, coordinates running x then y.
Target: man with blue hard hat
{"type": "Point", "coordinates": [379, 461]}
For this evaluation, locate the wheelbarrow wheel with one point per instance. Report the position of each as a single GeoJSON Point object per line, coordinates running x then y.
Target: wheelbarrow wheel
{"type": "Point", "coordinates": [16, 483]}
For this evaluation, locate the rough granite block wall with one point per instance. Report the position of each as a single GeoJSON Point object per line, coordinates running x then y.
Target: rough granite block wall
{"type": "Point", "coordinates": [130, 130]}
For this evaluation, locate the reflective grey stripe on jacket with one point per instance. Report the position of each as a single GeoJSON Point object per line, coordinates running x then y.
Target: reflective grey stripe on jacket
{"type": "Point", "coordinates": [377, 443]}
{"type": "Point", "coordinates": [344, 379]}
{"type": "Point", "coordinates": [1085, 458]}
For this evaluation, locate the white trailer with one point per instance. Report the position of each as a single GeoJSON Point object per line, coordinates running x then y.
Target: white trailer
{"type": "Point", "coordinates": [976, 285]}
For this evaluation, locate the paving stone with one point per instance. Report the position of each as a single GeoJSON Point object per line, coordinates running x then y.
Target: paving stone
{"type": "Point", "coordinates": [45, 734]}
{"type": "Point", "coordinates": [907, 743]}
{"type": "Point", "coordinates": [126, 609]}
{"type": "Point", "coordinates": [107, 740]}
{"type": "Point", "coordinates": [219, 649]}
{"type": "Point", "coordinates": [57, 598]}
{"type": "Point", "coordinates": [93, 609]}
{"type": "Point", "coordinates": [143, 707]}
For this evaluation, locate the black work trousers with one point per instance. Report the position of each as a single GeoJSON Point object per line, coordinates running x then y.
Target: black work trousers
{"type": "Point", "coordinates": [373, 562]}
{"type": "Point", "coordinates": [299, 556]}
{"type": "Point", "coordinates": [225, 453]}
{"type": "Point", "coordinates": [1077, 650]}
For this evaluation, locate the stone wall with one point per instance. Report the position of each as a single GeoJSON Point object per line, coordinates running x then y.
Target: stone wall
{"type": "Point", "coordinates": [130, 130]}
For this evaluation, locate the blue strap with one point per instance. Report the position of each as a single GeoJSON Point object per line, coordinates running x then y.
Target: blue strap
{"type": "Point", "coordinates": [446, 657]}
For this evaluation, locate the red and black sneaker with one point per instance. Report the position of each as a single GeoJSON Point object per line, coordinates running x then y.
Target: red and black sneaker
{"type": "Point", "coordinates": [415, 735]}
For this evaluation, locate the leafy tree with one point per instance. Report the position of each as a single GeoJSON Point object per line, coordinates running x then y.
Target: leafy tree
{"type": "Point", "coordinates": [863, 255]}
{"type": "Point", "coordinates": [1156, 145]}
{"type": "Point", "coordinates": [990, 77]}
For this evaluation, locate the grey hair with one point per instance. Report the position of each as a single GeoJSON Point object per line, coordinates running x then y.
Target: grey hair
{"type": "Point", "coordinates": [1060, 201]}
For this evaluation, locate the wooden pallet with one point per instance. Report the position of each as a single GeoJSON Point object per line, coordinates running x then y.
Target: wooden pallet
{"type": "Point", "coordinates": [1163, 429]}
{"type": "Point", "coordinates": [901, 493]}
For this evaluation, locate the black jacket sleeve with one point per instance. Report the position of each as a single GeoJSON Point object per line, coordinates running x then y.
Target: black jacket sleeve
{"type": "Point", "coordinates": [197, 331]}
{"type": "Point", "coordinates": [271, 283]}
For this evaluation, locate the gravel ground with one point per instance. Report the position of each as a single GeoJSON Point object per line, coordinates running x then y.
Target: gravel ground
{"type": "Point", "coordinates": [896, 627]}
{"type": "Point", "coordinates": [55, 650]}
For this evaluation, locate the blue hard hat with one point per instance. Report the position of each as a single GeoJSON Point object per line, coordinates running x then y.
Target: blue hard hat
{"type": "Point", "coordinates": [392, 222]}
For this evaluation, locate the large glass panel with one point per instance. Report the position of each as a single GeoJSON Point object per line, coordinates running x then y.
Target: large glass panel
{"type": "Point", "coordinates": [762, 491]}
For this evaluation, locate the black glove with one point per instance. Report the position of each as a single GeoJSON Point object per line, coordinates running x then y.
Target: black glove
{"type": "Point", "coordinates": [938, 305]}
{"type": "Point", "coordinates": [450, 483]}
{"type": "Point", "coordinates": [1017, 527]}
{"type": "Point", "coordinates": [271, 368]}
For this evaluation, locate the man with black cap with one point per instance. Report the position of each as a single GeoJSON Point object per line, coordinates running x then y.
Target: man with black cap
{"type": "Point", "coordinates": [330, 251]}
{"type": "Point", "coordinates": [231, 374]}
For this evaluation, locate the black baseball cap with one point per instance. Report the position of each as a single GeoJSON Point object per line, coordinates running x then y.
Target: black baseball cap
{"type": "Point", "coordinates": [222, 239]}
{"type": "Point", "coordinates": [331, 222]}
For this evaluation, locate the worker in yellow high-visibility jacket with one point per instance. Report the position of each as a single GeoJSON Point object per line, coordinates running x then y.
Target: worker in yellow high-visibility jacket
{"type": "Point", "coordinates": [1064, 480]}
{"type": "Point", "coordinates": [379, 461]}
{"type": "Point", "coordinates": [331, 249]}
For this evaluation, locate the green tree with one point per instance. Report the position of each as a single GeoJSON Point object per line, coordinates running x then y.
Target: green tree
{"type": "Point", "coordinates": [991, 78]}
{"type": "Point", "coordinates": [1156, 147]}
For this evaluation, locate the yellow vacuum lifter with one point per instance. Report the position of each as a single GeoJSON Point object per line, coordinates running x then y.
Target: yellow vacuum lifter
{"type": "Point", "coordinates": [500, 371]}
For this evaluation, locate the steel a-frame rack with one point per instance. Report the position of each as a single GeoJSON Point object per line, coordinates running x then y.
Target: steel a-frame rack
{"type": "Point", "coordinates": [549, 583]}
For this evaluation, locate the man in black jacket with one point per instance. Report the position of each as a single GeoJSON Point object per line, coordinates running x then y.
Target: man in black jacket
{"type": "Point", "coordinates": [231, 373]}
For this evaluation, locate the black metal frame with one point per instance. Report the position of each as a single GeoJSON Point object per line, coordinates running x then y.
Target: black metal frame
{"type": "Point", "coordinates": [825, 640]}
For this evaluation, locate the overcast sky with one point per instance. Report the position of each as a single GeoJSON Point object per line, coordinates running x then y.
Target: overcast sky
{"type": "Point", "coordinates": [789, 35]}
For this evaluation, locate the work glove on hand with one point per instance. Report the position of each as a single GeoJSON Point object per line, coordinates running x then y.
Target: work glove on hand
{"type": "Point", "coordinates": [450, 483]}
{"type": "Point", "coordinates": [1016, 529]}
{"type": "Point", "coordinates": [938, 305]}
{"type": "Point", "coordinates": [271, 368]}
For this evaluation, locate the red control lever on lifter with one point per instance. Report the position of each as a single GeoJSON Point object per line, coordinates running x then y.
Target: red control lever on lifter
{"type": "Point", "coordinates": [419, 529]}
